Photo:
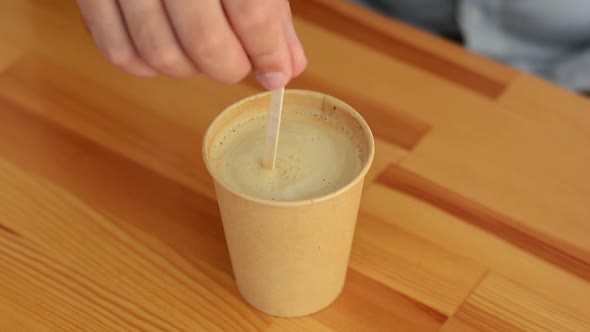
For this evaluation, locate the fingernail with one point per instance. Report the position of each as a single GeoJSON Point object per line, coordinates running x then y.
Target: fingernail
{"type": "Point", "coordinates": [271, 81]}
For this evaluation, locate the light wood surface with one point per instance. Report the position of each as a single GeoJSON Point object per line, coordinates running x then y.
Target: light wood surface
{"type": "Point", "coordinates": [475, 215]}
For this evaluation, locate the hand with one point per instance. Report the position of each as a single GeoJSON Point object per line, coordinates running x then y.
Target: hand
{"type": "Point", "coordinates": [223, 39]}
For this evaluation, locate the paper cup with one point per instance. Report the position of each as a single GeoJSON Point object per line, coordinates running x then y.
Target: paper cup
{"type": "Point", "coordinates": [289, 258]}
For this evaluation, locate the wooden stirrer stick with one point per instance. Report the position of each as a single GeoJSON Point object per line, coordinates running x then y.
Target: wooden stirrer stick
{"type": "Point", "coordinates": [273, 125]}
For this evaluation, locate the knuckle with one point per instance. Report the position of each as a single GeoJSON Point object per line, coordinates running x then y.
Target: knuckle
{"type": "Point", "coordinates": [208, 47]}
{"type": "Point", "coordinates": [164, 58]}
{"type": "Point", "coordinates": [235, 76]}
{"type": "Point", "coordinates": [251, 16]}
{"type": "Point", "coordinates": [230, 72]}
{"type": "Point", "coordinates": [156, 49]}
{"type": "Point", "coordinates": [268, 57]}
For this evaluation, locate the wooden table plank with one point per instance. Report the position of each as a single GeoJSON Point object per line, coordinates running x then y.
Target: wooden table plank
{"type": "Point", "coordinates": [369, 305]}
{"type": "Point", "coordinates": [481, 216]}
{"type": "Point", "coordinates": [186, 220]}
{"type": "Point", "coordinates": [385, 155]}
{"type": "Point", "coordinates": [9, 55]}
{"type": "Point", "coordinates": [378, 77]}
{"type": "Point", "coordinates": [104, 117]}
{"type": "Point", "coordinates": [455, 325]}
{"type": "Point", "coordinates": [71, 244]}
{"type": "Point", "coordinates": [529, 171]}
{"type": "Point", "coordinates": [403, 34]}
{"type": "Point", "coordinates": [499, 304]}
{"type": "Point", "coordinates": [20, 319]}
{"type": "Point", "coordinates": [449, 232]}
{"type": "Point", "coordinates": [302, 324]}
{"type": "Point", "coordinates": [422, 271]}
{"type": "Point", "coordinates": [541, 102]}
{"type": "Point", "coordinates": [390, 44]}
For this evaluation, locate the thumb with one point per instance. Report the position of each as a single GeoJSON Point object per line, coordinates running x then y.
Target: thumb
{"type": "Point", "coordinates": [258, 25]}
{"type": "Point", "coordinates": [298, 58]}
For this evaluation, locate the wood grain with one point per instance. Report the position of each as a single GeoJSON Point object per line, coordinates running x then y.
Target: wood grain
{"type": "Point", "coordinates": [412, 266]}
{"type": "Point", "coordinates": [317, 12]}
{"type": "Point", "coordinates": [385, 155]}
{"type": "Point", "coordinates": [113, 184]}
{"type": "Point", "coordinates": [132, 272]}
{"type": "Point", "coordinates": [43, 87]}
{"type": "Point", "coordinates": [474, 214]}
{"type": "Point", "coordinates": [481, 216]}
{"type": "Point", "coordinates": [302, 324]}
{"type": "Point", "coordinates": [445, 230]}
{"type": "Point", "coordinates": [489, 309]}
{"type": "Point", "coordinates": [455, 325]}
{"type": "Point", "coordinates": [9, 55]}
{"type": "Point", "coordinates": [528, 170]}
{"type": "Point", "coordinates": [420, 39]}
{"type": "Point", "coordinates": [8, 230]}
{"type": "Point", "coordinates": [368, 305]}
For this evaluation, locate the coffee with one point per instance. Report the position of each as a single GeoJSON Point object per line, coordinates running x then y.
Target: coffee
{"type": "Point", "coordinates": [317, 154]}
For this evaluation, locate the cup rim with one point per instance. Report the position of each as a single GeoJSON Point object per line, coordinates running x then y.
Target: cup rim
{"type": "Point", "coordinates": [302, 202]}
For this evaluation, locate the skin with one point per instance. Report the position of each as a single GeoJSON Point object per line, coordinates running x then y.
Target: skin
{"type": "Point", "coordinates": [222, 39]}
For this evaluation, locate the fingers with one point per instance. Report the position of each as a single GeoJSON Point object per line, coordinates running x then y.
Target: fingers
{"type": "Point", "coordinates": [258, 25]}
{"type": "Point", "coordinates": [106, 25]}
{"type": "Point", "coordinates": [298, 58]}
{"type": "Point", "coordinates": [224, 39]}
{"type": "Point", "coordinates": [154, 37]}
{"type": "Point", "coordinates": [208, 38]}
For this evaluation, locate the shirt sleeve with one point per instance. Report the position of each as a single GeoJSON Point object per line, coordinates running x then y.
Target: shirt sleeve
{"type": "Point", "coordinates": [573, 71]}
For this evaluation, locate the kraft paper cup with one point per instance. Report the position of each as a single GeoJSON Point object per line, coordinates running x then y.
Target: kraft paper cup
{"type": "Point", "coordinates": [289, 258]}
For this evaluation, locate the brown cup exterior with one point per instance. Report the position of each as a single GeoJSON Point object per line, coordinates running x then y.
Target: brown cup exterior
{"type": "Point", "coordinates": [289, 259]}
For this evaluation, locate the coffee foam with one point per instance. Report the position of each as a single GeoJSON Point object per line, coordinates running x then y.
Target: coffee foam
{"type": "Point", "coordinates": [318, 153]}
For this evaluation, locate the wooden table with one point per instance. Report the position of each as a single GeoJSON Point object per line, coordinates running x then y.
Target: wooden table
{"type": "Point", "coordinates": [475, 216]}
